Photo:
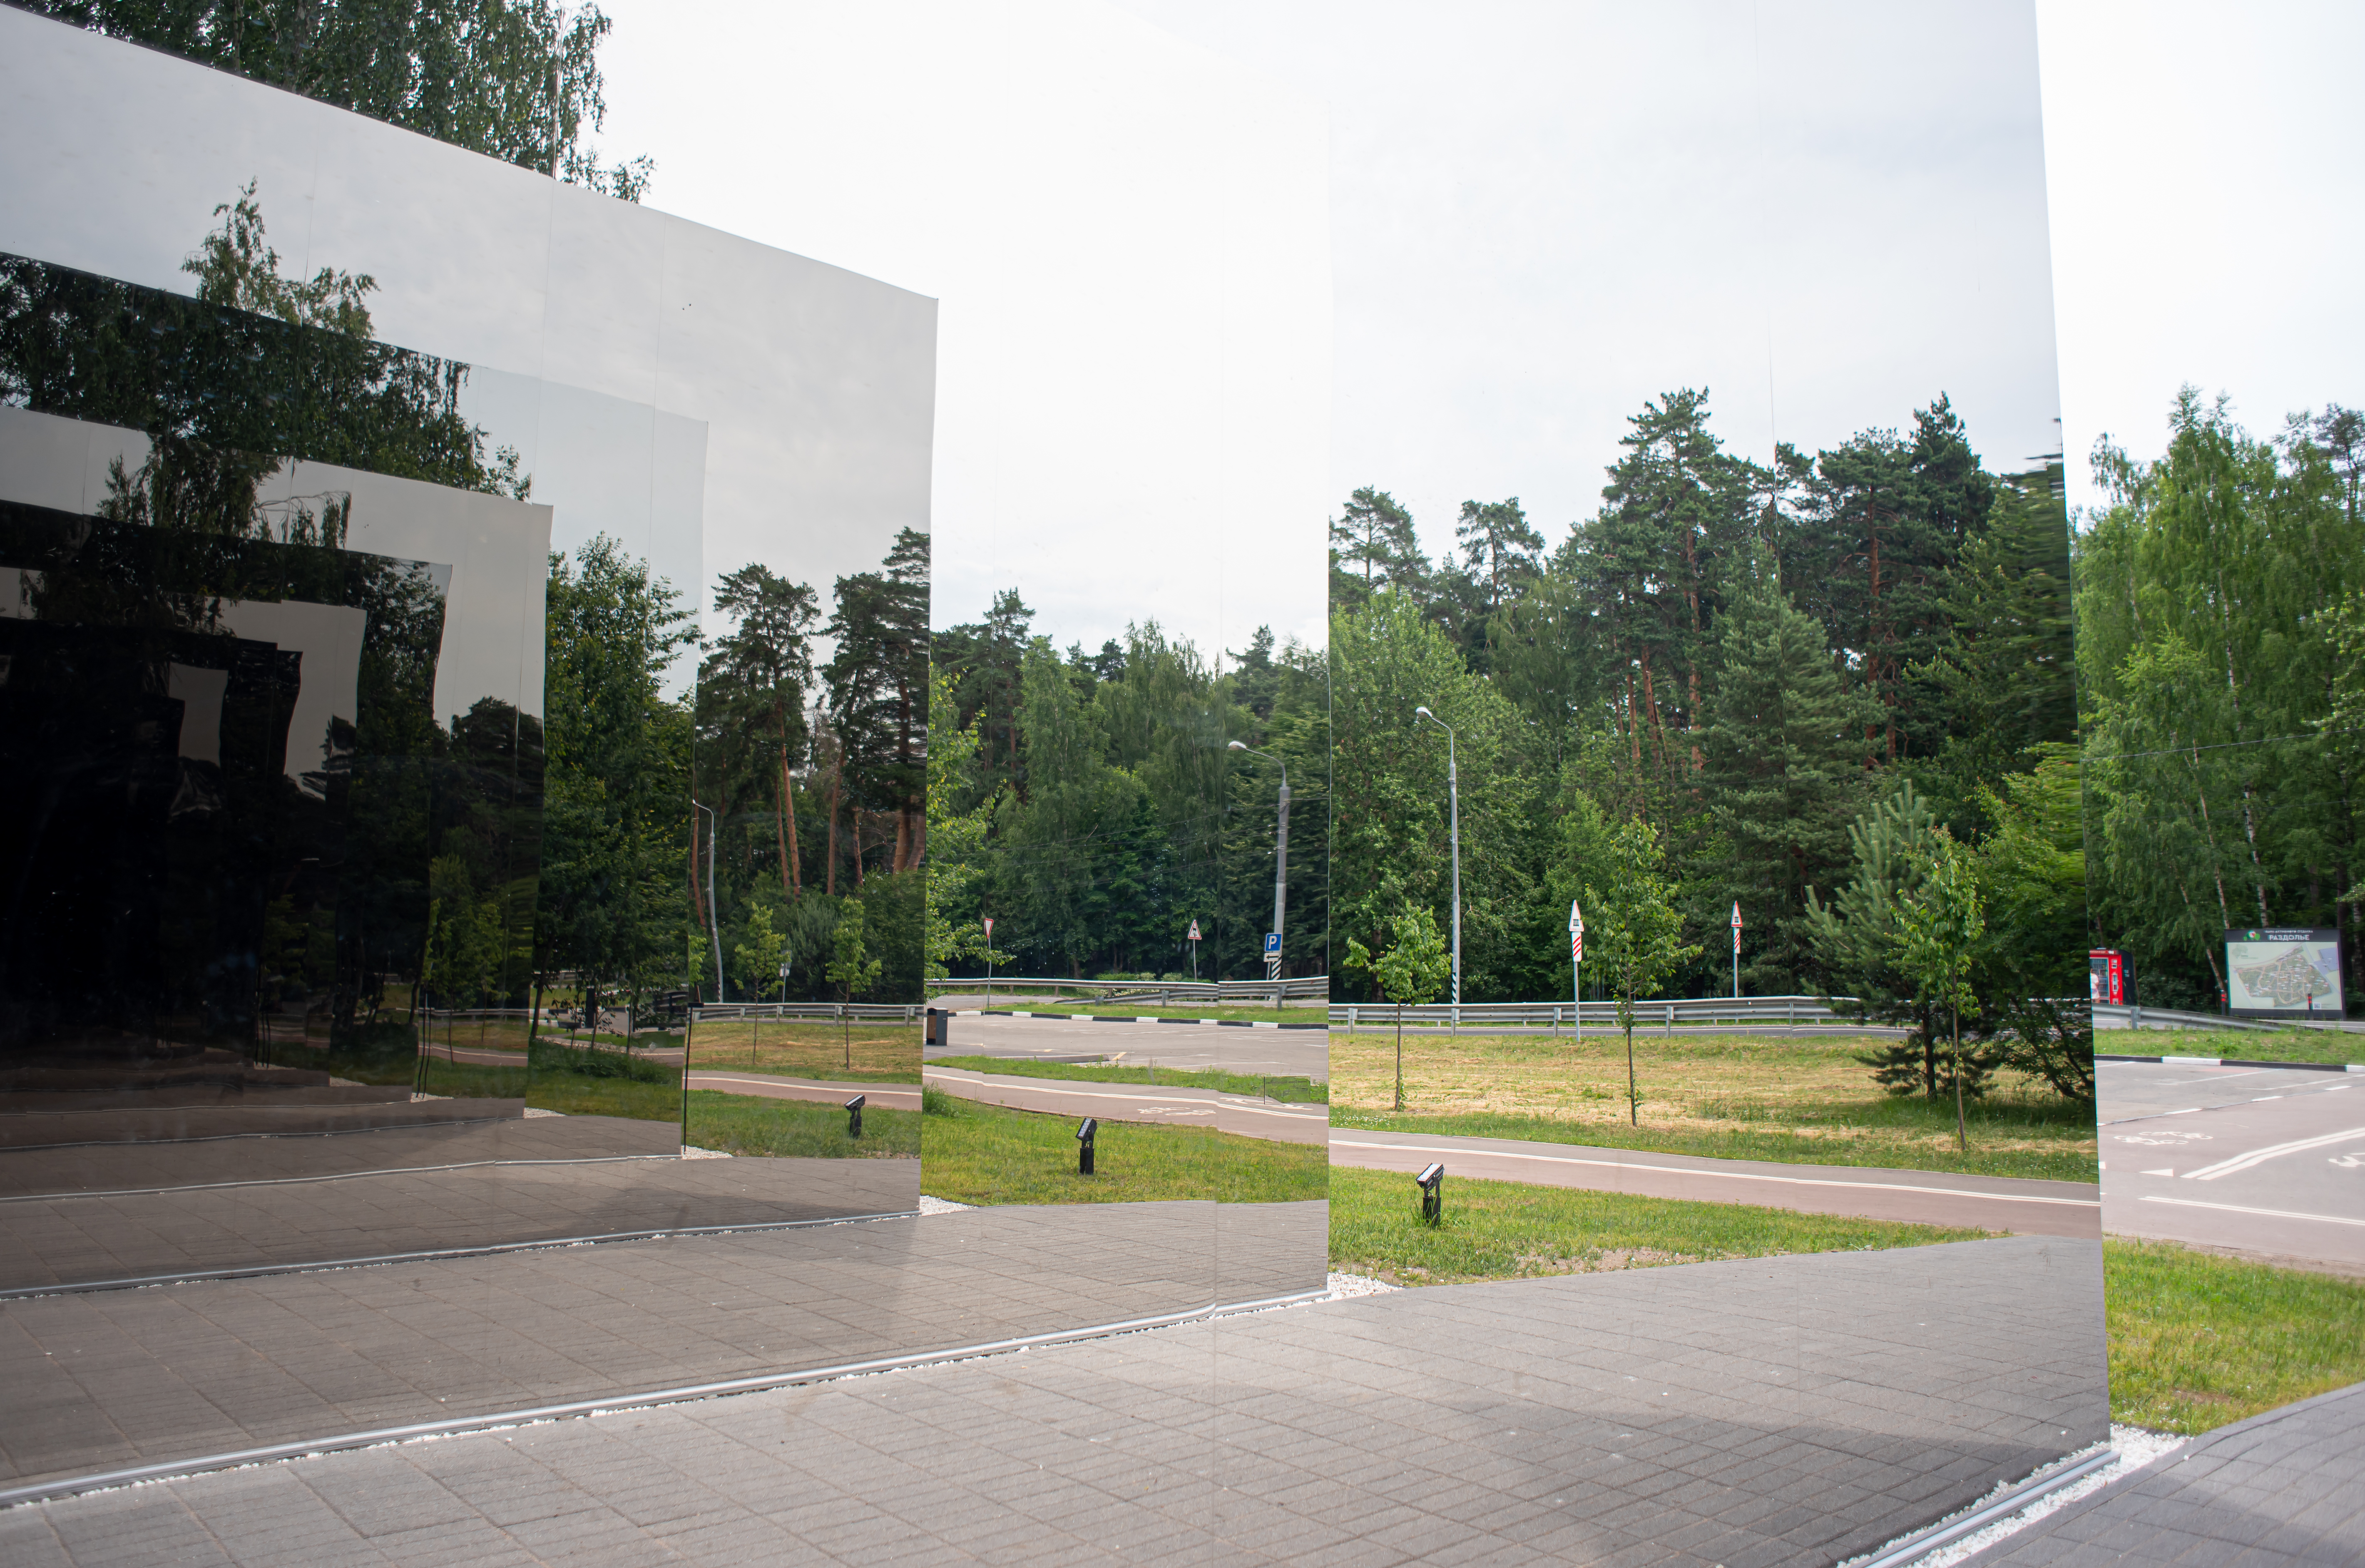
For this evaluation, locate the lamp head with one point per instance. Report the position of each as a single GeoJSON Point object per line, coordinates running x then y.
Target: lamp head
{"type": "Point", "coordinates": [1238, 746]}
{"type": "Point", "coordinates": [1424, 713]}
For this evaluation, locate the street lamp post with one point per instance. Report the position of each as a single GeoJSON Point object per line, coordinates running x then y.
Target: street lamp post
{"type": "Point", "coordinates": [1280, 858]}
{"type": "Point", "coordinates": [1454, 801]}
{"type": "Point", "coordinates": [713, 920]}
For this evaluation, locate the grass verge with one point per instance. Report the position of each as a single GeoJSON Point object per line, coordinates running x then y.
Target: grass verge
{"type": "Point", "coordinates": [1796, 1100]}
{"type": "Point", "coordinates": [1499, 1230]}
{"type": "Point", "coordinates": [2199, 1341]}
{"type": "Point", "coordinates": [1288, 1090]}
{"type": "Point", "coordinates": [754, 1125]}
{"type": "Point", "coordinates": [2242, 1044]}
{"type": "Point", "coordinates": [987, 1154]}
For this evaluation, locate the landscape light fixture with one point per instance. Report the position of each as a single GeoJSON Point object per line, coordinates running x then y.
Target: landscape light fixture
{"type": "Point", "coordinates": [854, 1115]}
{"type": "Point", "coordinates": [1084, 1145]}
{"type": "Point", "coordinates": [1433, 1192]}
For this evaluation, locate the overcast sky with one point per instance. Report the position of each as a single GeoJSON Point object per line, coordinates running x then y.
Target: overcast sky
{"type": "Point", "coordinates": [1453, 248]}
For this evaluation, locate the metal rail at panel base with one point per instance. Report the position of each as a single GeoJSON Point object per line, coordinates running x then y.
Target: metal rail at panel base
{"type": "Point", "coordinates": [66, 1486]}
{"type": "Point", "coordinates": [1922, 1542]}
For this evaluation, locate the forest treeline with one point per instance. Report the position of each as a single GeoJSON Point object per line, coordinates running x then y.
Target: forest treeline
{"type": "Point", "coordinates": [1090, 803]}
{"type": "Point", "coordinates": [1793, 672]}
{"type": "Point", "coordinates": [813, 773]}
{"type": "Point", "coordinates": [2221, 640]}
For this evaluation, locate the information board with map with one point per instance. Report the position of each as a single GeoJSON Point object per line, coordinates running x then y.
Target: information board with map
{"type": "Point", "coordinates": [2280, 971]}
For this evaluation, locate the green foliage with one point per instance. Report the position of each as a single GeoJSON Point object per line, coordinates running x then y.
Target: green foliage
{"type": "Point", "coordinates": [1415, 965]}
{"type": "Point", "coordinates": [851, 966]}
{"type": "Point", "coordinates": [1634, 932]}
{"type": "Point", "coordinates": [1940, 923]}
{"type": "Point", "coordinates": [758, 953]}
{"type": "Point", "coordinates": [2209, 599]}
{"type": "Point", "coordinates": [616, 829]}
{"type": "Point", "coordinates": [515, 79]}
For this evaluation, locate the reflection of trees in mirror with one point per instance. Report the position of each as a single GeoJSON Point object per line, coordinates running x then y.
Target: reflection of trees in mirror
{"type": "Point", "coordinates": [518, 80]}
{"type": "Point", "coordinates": [1748, 657]}
{"type": "Point", "coordinates": [2221, 599]}
{"type": "Point", "coordinates": [236, 874]}
{"type": "Point", "coordinates": [1087, 802]}
{"type": "Point", "coordinates": [817, 779]}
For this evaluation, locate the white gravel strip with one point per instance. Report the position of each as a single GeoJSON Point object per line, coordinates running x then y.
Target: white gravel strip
{"type": "Point", "coordinates": [929, 1205]}
{"type": "Point", "coordinates": [1345, 1285]}
{"type": "Point", "coordinates": [2136, 1449]}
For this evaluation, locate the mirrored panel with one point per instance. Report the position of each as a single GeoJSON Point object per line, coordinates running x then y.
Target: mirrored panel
{"type": "Point", "coordinates": [1113, 835]}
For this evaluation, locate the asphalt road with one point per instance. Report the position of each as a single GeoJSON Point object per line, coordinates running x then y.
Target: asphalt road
{"type": "Point", "coordinates": [1280, 1053]}
{"type": "Point", "coordinates": [1920, 1197]}
{"type": "Point", "coordinates": [2265, 1161]}
{"type": "Point", "coordinates": [771, 1086]}
{"type": "Point", "coordinates": [1140, 1102]}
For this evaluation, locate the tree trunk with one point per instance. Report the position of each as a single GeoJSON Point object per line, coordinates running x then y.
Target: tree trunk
{"type": "Point", "coordinates": [837, 798]}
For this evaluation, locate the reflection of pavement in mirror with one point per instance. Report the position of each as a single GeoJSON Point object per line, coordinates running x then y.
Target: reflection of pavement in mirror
{"type": "Point", "coordinates": [1920, 1197]}
{"type": "Point", "coordinates": [258, 1227]}
{"type": "Point", "coordinates": [1776, 1410]}
{"type": "Point", "coordinates": [141, 1125]}
{"type": "Point", "coordinates": [103, 1380]}
{"type": "Point", "coordinates": [1185, 1047]}
{"type": "Point", "coordinates": [2269, 1161]}
{"type": "Point", "coordinates": [95, 1168]}
{"type": "Point", "coordinates": [2287, 1486]}
{"type": "Point", "coordinates": [1140, 1102]}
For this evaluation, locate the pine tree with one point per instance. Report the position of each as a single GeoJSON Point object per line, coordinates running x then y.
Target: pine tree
{"type": "Point", "coordinates": [1781, 774]}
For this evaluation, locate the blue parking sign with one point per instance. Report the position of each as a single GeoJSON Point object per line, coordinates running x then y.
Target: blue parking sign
{"type": "Point", "coordinates": [1273, 943]}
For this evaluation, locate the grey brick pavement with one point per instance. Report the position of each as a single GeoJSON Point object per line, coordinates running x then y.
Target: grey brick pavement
{"type": "Point", "coordinates": [272, 1219]}
{"type": "Point", "coordinates": [1790, 1410]}
{"type": "Point", "coordinates": [107, 1380]}
{"type": "Point", "coordinates": [2286, 1488]}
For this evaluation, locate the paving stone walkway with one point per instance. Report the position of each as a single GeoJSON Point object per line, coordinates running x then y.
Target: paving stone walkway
{"type": "Point", "coordinates": [499, 1184]}
{"type": "Point", "coordinates": [107, 1380]}
{"type": "Point", "coordinates": [2286, 1488]}
{"type": "Point", "coordinates": [1789, 1410]}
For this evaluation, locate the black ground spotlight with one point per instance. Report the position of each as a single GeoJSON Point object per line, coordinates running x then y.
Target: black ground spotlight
{"type": "Point", "coordinates": [1084, 1145]}
{"type": "Point", "coordinates": [854, 1115]}
{"type": "Point", "coordinates": [1433, 1192]}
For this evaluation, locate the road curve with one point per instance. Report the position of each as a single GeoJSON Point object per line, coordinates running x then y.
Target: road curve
{"type": "Point", "coordinates": [1139, 1102]}
{"type": "Point", "coordinates": [1917, 1197]}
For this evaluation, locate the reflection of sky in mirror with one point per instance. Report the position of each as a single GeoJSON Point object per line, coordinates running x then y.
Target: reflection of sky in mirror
{"type": "Point", "coordinates": [814, 385]}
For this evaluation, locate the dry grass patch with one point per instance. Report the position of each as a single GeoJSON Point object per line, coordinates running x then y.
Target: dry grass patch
{"type": "Point", "coordinates": [810, 1048]}
{"type": "Point", "coordinates": [1800, 1099]}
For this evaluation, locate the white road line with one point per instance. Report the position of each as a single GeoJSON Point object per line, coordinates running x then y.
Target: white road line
{"type": "Point", "coordinates": [2240, 1209]}
{"type": "Point", "coordinates": [1725, 1175]}
{"type": "Point", "coordinates": [2258, 1156]}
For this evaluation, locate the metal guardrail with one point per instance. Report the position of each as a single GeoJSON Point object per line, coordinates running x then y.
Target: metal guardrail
{"type": "Point", "coordinates": [2109, 1015]}
{"type": "Point", "coordinates": [1302, 989]}
{"type": "Point", "coordinates": [1658, 1013]}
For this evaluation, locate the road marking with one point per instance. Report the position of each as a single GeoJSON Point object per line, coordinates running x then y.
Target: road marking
{"type": "Point", "coordinates": [1726, 1175]}
{"type": "Point", "coordinates": [2240, 1209]}
{"type": "Point", "coordinates": [2163, 1170]}
{"type": "Point", "coordinates": [2257, 1156]}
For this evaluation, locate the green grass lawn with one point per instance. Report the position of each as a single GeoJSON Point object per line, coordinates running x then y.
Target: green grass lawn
{"type": "Point", "coordinates": [986, 1154]}
{"type": "Point", "coordinates": [1497, 1231]}
{"type": "Point", "coordinates": [754, 1125]}
{"type": "Point", "coordinates": [1289, 1090]}
{"type": "Point", "coordinates": [2243, 1045]}
{"type": "Point", "coordinates": [1796, 1100]}
{"type": "Point", "coordinates": [2198, 1340]}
